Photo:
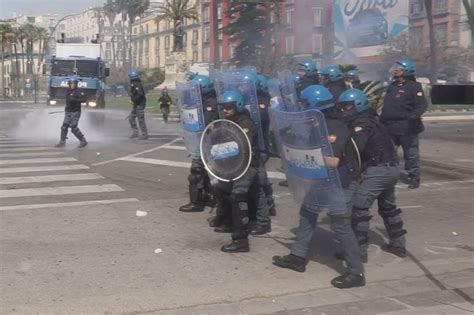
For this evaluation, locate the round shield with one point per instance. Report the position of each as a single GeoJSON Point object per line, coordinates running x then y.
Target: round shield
{"type": "Point", "coordinates": [225, 150]}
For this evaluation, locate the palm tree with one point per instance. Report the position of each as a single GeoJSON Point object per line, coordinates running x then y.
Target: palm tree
{"type": "Point", "coordinates": [176, 11]}
{"type": "Point", "coordinates": [132, 9]}
{"type": "Point", "coordinates": [470, 17]}
{"type": "Point", "coordinates": [6, 35]}
{"type": "Point", "coordinates": [433, 44]}
{"type": "Point", "coordinates": [110, 12]}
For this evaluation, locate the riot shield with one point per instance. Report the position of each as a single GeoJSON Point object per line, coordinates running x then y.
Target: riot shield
{"type": "Point", "coordinates": [303, 144]}
{"type": "Point", "coordinates": [288, 91]}
{"type": "Point", "coordinates": [235, 81]}
{"type": "Point", "coordinates": [225, 150]}
{"type": "Point", "coordinates": [275, 92]}
{"type": "Point", "coordinates": [192, 117]}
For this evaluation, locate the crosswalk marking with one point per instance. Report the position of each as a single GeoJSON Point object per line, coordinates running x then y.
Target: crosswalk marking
{"type": "Point", "coordinates": [156, 161]}
{"type": "Point", "coordinates": [43, 168]}
{"type": "Point", "coordinates": [67, 204]}
{"type": "Point", "coordinates": [174, 147]}
{"type": "Point", "coordinates": [41, 160]}
{"type": "Point", "coordinates": [62, 190]}
{"type": "Point", "coordinates": [28, 149]}
{"type": "Point", "coordinates": [17, 145]}
{"type": "Point", "coordinates": [34, 154]}
{"type": "Point", "coordinates": [49, 178]}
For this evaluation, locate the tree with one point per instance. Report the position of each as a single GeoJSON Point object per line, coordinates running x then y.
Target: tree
{"type": "Point", "coordinates": [433, 44]}
{"type": "Point", "coordinates": [152, 78]}
{"type": "Point", "coordinates": [131, 9]}
{"type": "Point", "coordinates": [470, 17]}
{"type": "Point", "coordinates": [176, 11]}
{"type": "Point", "coordinates": [7, 37]}
{"type": "Point", "coordinates": [110, 12]}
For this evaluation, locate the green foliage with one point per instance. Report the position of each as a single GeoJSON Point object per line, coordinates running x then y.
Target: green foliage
{"type": "Point", "coordinates": [470, 17]}
{"type": "Point", "coordinates": [177, 10]}
{"type": "Point", "coordinates": [152, 78]}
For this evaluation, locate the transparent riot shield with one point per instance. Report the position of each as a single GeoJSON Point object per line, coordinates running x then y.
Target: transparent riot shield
{"type": "Point", "coordinates": [304, 147]}
{"type": "Point", "coordinates": [288, 91]}
{"type": "Point", "coordinates": [275, 92]}
{"type": "Point", "coordinates": [225, 150]}
{"type": "Point", "coordinates": [236, 81]}
{"type": "Point", "coordinates": [192, 117]}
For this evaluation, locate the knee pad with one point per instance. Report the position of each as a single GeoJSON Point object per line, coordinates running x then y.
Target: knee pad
{"type": "Point", "coordinates": [389, 213]}
{"type": "Point", "coordinates": [64, 127]}
{"type": "Point", "coordinates": [198, 170]}
{"type": "Point", "coordinates": [194, 179]}
{"type": "Point", "coordinates": [238, 198]}
{"type": "Point", "coordinates": [360, 215]}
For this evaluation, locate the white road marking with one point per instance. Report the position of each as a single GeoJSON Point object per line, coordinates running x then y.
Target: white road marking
{"type": "Point", "coordinates": [67, 204]}
{"type": "Point", "coordinates": [49, 178]}
{"type": "Point", "coordinates": [139, 153]}
{"type": "Point", "coordinates": [28, 149]}
{"type": "Point", "coordinates": [156, 162]}
{"type": "Point", "coordinates": [276, 175]}
{"type": "Point", "coordinates": [41, 160]}
{"type": "Point", "coordinates": [448, 118]}
{"type": "Point", "coordinates": [43, 168]}
{"type": "Point", "coordinates": [62, 190]}
{"type": "Point", "coordinates": [15, 145]}
{"type": "Point", "coordinates": [11, 141]}
{"type": "Point", "coordinates": [174, 147]}
{"type": "Point", "coordinates": [464, 160]}
{"type": "Point", "coordinates": [24, 154]}
{"type": "Point", "coordinates": [411, 207]}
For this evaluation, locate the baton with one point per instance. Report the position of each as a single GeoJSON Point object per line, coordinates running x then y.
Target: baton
{"type": "Point", "coordinates": [61, 111]}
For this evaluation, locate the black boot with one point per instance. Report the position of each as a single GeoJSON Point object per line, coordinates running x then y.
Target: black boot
{"type": "Point", "coordinates": [283, 183]}
{"type": "Point", "coordinates": [261, 229]}
{"type": "Point", "coordinates": [290, 261]}
{"type": "Point", "coordinates": [60, 144]}
{"type": "Point", "coordinates": [192, 207]}
{"type": "Point", "coordinates": [273, 211]}
{"type": "Point", "coordinates": [348, 281]}
{"type": "Point", "coordinates": [237, 246]}
{"type": "Point", "coordinates": [414, 183]}
{"type": "Point", "coordinates": [62, 141]}
{"type": "Point", "coordinates": [134, 134]}
{"type": "Point", "coordinates": [83, 143]}
{"type": "Point", "coordinates": [223, 228]}
{"type": "Point", "coordinates": [363, 257]}
{"type": "Point", "coordinates": [143, 137]}
{"type": "Point", "coordinates": [397, 251]}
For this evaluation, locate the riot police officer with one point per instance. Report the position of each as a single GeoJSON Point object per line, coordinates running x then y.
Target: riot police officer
{"type": "Point", "coordinates": [333, 80]}
{"type": "Point", "coordinates": [234, 196]}
{"type": "Point", "coordinates": [404, 104]}
{"type": "Point", "coordinates": [352, 79]}
{"type": "Point", "coordinates": [72, 113]}
{"type": "Point", "coordinates": [380, 173]}
{"type": "Point", "coordinates": [318, 97]}
{"type": "Point", "coordinates": [137, 95]}
{"type": "Point", "coordinates": [200, 189]}
{"type": "Point", "coordinates": [307, 75]}
{"type": "Point", "coordinates": [165, 102]}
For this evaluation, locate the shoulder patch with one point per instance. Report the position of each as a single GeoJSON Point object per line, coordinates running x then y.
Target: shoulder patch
{"type": "Point", "coordinates": [358, 129]}
{"type": "Point", "coordinates": [332, 138]}
{"type": "Point", "coordinates": [419, 94]}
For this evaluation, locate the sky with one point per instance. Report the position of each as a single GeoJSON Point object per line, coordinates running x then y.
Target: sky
{"type": "Point", "coordinates": [37, 7]}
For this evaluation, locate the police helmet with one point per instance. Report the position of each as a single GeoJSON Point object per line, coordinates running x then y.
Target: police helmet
{"type": "Point", "coordinates": [309, 67]}
{"type": "Point", "coordinates": [352, 75]}
{"type": "Point", "coordinates": [332, 73]}
{"type": "Point", "coordinates": [73, 80]}
{"type": "Point", "coordinates": [354, 98]}
{"type": "Point", "coordinates": [233, 98]}
{"type": "Point", "coordinates": [133, 75]}
{"type": "Point", "coordinates": [204, 82]}
{"type": "Point", "coordinates": [262, 83]}
{"type": "Point", "coordinates": [408, 67]}
{"type": "Point", "coordinates": [316, 97]}
{"type": "Point", "coordinates": [250, 74]}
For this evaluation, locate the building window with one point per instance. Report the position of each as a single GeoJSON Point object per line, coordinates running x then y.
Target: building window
{"type": "Point", "coordinates": [219, 11]}
{"type": "Point", "coordinates": [195, 56]}
{"type": "Point", "coordinates": [147, 42]}
{"type": "Point", "coordinates": [219, 33]}
{"type": "Point", "coordinates": [317, 17]}
{"type": "Point", "coordinates": [416, 34]}
{"type": "Point", "coordinates": [441, 34]}
{"type": "Point", "coordinates": [290, 44]}
{"type": "Point", "coordinates": [289, 18]}
{"type": "Point", "coordinates": [416, 7]}
{"type": "Point", "coordinates": [289, 1]}
{"type": "Point", "coordinates": [440, 6]}
{"type": "Point", "coordinates": [207, 34]}
{"type": "Point", "coordinates": [157, 43]}
{"type": "Point", "coordinates": [195, 37]}
{"type": "Point", "coordinates": [167, 42]}
{"type": "Point", "coordinates": [146, 29]}
{"type": "Point", "coordinates": [205, 54]}
{"type": "Point", "coordinates": [317, 43]}
{"type": "Point", "coordinates": [205, 14]}
{"type": "Point", "coordinates": [158, 61]}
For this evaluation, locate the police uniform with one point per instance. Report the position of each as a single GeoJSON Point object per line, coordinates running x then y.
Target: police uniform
{"type": "Point", "coordinates": [72, 113]}
{"type": "Point", "coordinates": [304, 82]}
{"type": "Point", "coordinates": [336, 88]}
{"type": "Point", "coordinates": [233, 197]}
{"type": "Point", "coordinates": [200, 189]}
{"type": "Point", "coordinates": [403, 106]}
{"type": "Point", "coordinates": [137, 94]}
{"type": "Point", "coordinates": [165, 102]}
{"type": "Point", "coordinates": [380, 174]}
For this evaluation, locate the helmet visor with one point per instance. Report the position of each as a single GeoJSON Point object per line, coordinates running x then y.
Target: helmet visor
{"type": "Point", "coordinates": [397, 67]}
{"type": "Point", "coordinates": [228, 105]}
{"type": "Point", "coordinates": [347, 105]}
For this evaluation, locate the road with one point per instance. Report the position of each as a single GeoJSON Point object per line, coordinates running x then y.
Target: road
{"type": "Point", "coordinates": [72, 240]}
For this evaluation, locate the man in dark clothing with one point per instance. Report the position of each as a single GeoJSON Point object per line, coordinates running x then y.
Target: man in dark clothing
{"type": "Point", "coordinates": [165, 102]}
{"type": "Point", "coordinates": [318, 97]}
{"type": "Point", "coordinates": [137, 94]}
{"type": "Point", "coordinates": [200, 189]}
{"type": "Point", "coordinates": [380, 172]}
{"type": "Point", "coordinates": [234, 196]}
{"type": "Point", "coordinates": [307, 75]}
{"type": "Point", "coordinates": [72, 113]}
{"type": "Point", "coordinates": [404, 104]}
{"type": "Point", "coordinates": [333, 80]}
{"type": "Point", "coordinates": [352, 79]}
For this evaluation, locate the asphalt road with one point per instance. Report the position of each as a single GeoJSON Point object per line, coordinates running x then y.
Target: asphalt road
{"type": "Point", "coordinates": [71, 239]}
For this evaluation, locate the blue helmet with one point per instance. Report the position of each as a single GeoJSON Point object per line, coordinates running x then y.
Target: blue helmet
{"type": "Point", "coordinates": [309, 67]}
{"type": "Point", "coordinates": [352, 74]}
{"type": "Point", "coordinates": [262, 83]}
{"type": "Point", "coordinates": [133, 75]}
{"type": "Point", "coordinates": [250, 74]}
{"type": "Point", "coordinates": [333, 73]}
{"type": "Point", "coordinates": [233, 98]}
{"type": "Point", "coordinates": [204, 82]}
{"type": "Point", "coordinates": [73, 79]}
{"type": "Point", "coordinates": [317, 97]}
{"type": "Point", "coordinates": [354, 97]}
{"type": "Point", "coordinates": [407, 66]}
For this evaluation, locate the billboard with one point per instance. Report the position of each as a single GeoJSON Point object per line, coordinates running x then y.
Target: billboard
{"type": "Point", "coordinates": [363, 28]}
